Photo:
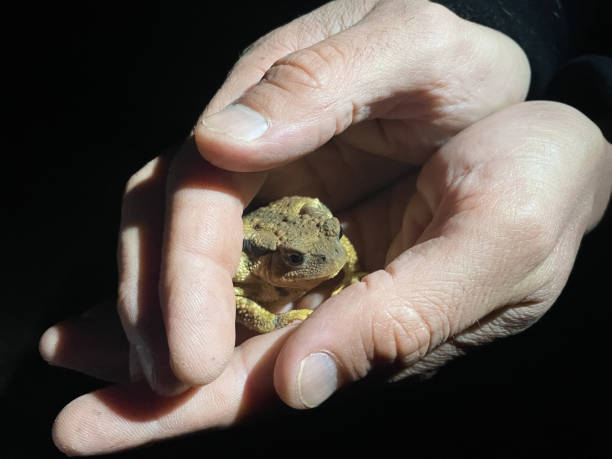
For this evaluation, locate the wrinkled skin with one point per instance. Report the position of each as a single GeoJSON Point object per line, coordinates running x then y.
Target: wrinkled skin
{"type": "Point", "coordinates": [465, 205]}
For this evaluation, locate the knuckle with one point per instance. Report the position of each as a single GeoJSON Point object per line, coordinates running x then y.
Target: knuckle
{"type": "Point", "coordinates": [313, 67]}
{"type": "Point", "coordinates": [259, 43]}
{"type": "Point", "coordinates": [408, 331]}
{"type": "Point", "coordinates": [438, 18]}
{"type": "Point", "coordinates": [404, 330]}
{"type": "Point", "coordinates": [565, 122]}
{"type": "Point", "coordinates": [259, 55]}
{"type": "Point", "coordinates": [438, 28]}
{"type": "Point", "coordinates": [529, 221]}
{"type": "Point", "coordinates": [526, 221]}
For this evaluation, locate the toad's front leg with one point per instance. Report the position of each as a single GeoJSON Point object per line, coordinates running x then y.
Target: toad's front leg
{"type": "Point", "coordinates": [259, 319]}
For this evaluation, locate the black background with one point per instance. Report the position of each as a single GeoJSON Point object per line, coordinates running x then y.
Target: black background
{"type": "Point", "coordinates": [95, 90]}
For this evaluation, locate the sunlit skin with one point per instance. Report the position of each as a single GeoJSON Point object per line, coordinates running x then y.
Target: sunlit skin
{"type": "Point", "coordinates": [466, 205]}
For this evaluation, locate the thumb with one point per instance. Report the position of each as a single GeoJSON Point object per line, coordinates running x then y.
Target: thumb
{"type": "Point", "coordinates": [480, 269]}
{"type": "Point", "coordinates": [484, 248]}
{"type": "Point", "coordinates": [407, 317]}
{"type": "Point", "coordinates": [394, 64]}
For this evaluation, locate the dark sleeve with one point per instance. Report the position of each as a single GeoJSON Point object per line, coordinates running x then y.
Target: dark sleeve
{"type": "Point", "coordinates": [568, 44]}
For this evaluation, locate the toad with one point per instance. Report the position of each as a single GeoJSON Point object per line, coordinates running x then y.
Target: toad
{"type": "Point", "coordinates": [290, 247]}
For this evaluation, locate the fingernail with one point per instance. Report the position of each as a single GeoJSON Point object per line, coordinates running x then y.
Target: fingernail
{"type": "Point", "coordinates": [48, 343]}
{"type": "Point", "coordinates": [317, 379]}
{"type": "Point", "coordinates": [237, 121]}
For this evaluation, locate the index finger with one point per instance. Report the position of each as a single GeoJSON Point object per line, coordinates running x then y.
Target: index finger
{"type": "Point", "coordinates": [128, 415]}
{"type": "Point", "coordinates": [202, 244]}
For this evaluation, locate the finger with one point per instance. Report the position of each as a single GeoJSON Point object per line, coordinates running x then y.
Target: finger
{"type": "Point", "coordinates": [498, 234]}
{"type": "Point", "coordinates": [202, 246]}
{"type": "Point", "coordinates": [139, 259]}
{"type": "Point", "coordinates": [394, 316]}
{"type": "Point", "coordinates": [125, 416]}
{"type": "Point", "coordinates": [135, 368]}
{"type": "Point", "coordinates": [403, 62]}
{"type": "Point", "coordinates": [300, 33]}
{"type": "Point", "coordinates": [93, 344]}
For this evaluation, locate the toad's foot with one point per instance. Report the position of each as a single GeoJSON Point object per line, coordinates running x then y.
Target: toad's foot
{"type": "Point", "coordinates": [349, 279]}
{"type": "Point", "coordinates": [255, 317]}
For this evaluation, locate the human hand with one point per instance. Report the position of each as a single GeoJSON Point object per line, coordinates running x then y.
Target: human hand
{"type": "Point", "coordinates": [479, 248]}
{"type": "Point", "coordinates": [417, 115]}
{"type": "Point", "coordinates": [408, 75]}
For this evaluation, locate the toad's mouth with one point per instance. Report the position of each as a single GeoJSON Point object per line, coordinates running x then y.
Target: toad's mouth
{"type": "Point", "coordinates": [307, 283]}
{"type": "Point", "coordinates": [333, 280]}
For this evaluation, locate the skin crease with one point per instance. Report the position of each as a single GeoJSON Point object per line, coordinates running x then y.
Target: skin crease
{"type": "Point", "coordinates": [472, 239]}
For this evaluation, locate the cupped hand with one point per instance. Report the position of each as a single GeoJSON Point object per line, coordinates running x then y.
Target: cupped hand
{"type": "Point", "coordinates": [373, 87]}
{"type": "Point", "coordinates": [478, 246]}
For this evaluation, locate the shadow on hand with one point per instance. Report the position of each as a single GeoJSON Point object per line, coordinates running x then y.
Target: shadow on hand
{"type": "Point", "coordinates": [137, 402]}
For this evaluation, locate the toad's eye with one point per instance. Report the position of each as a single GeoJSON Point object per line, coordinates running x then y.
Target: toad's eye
{"type": "Point", "coordinates": [340, 233]}
{"type": "Point", "coordinates": [294, 259]}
